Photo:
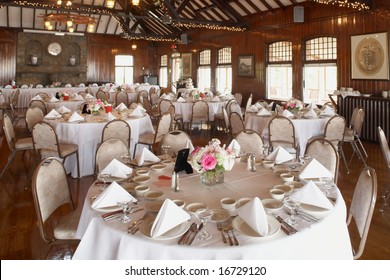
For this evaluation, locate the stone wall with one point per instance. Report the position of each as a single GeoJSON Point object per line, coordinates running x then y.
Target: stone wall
{"type": "Point", "coordinates": [50, 68]}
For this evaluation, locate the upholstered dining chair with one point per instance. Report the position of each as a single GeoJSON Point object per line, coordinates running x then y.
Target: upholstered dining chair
{"type": "Point", "coordinates": [234, 107]}
{"type": "Point", "coordinates": [163, 106]}
{"type": "Point", "coordinates": [177, 119]}
{"type": "Point", "coordinates": [51, 192]}
{"type": "Point", "coordinates": [153, 112]}
{"type": "Point", "coordinates": [176, 140]}
{"type": "Point", "coordinates": [38, 103]}
{"type": "Point", "coordinates": [33, 115]}
{"type": "Point", "coordinates": [238, 97]}
{"type": "Point", "coordinates": [386, 155]}
{"type": "Point", "coordinates": [200, 115]}
{"type": "Point", "coordinates": [14, 145]}
{"type": "Point", "coordinates": [16, 114]}
{"type": "Point", "coordinates": [108, 150]}
{"type": "Point", "coordinates": [141, 95]}
{"type": "Point", "coordinates": [118, 129]}
{"type": "Point", "coordinates": [163, 127]}
{"type": "Point", "coordinates": [43, 95]}
{"type": "Point", "coordinates": [281, 132]}
{"type": "Point", "coordinates": [250, 142]}
{"type": "Point", "coordinates": [326, 153]}
{"type": "Point", "coordinates": [46, 143]}
{"type": "Point", "coordinates": [362, 208]}
{"type": "Point", "coordinates": [100, 94]}
{"type": "Point", "coordinates": [236, 124]}
{"type": "Point", "coordinates": [121, 97]}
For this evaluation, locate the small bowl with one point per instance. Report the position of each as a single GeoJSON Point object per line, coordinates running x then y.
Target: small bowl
{"type": "Point", "coordinates": [179, 203]}
{"type": "Point", "coordinates": [287, 177]}
{"type": "Point", "coordinates": [277, 194]}
{"type": "Point", "coordinates": [141, 190]}
{"type": "Point", "coordinates": [281, 171]}
{"type": "Point", "coordinates": [193, 207]}
{"type": "Point", "coordinates": [242, 201]}
{"type": "Point", "coordinates": [158, 167]}
{"type": "Point", "coordinates": [271, 204]}
{"type": "Point", "coordinates": [142, 172]}
{"type": "Point", "coordinates": [166, 161]}
{"type": "Point", "coordinates": [141, 179]}
{"type": "Point", "coordinates": [154, 195]}
{"type": "Point", "coordinates": [228, 203]}
{"type": "Point", "coordinates": [287, 189]}
{"type": "Point", "coordinates": [268, 164]}
{"type": "Point", "coordinates": [294, 184]}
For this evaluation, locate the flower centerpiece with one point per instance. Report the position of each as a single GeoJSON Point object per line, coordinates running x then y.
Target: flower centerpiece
{"type": "Point", "coordinates": [96, 106]}
{"type": "Point", "coordinates": [56, 84]}
{"type": "Point", "coordinates": [195, 94]}
{"type": "Point", "coordinates": [293, 105]}
{"type": "Point", "coordinates": [212, 161]}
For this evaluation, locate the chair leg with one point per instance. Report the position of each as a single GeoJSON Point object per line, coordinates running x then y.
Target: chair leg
{"type": "Point", "coordinates": [78, 164]}
{"type": "Point", "coordinates": [9, 161]}
{"type": "Point", "coordinates": [343, 157]}
{"type": "Point", "coordinates": [362, 148]}
{"type": "Point", "coordinates": [135, 149]}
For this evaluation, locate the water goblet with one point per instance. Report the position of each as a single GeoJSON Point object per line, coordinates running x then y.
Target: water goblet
{"type": "Point", "coordinates": [104, 177]}
{"type": "Point", "coordinates": [292, 205]}
{"type": "Point", "coordinates": [125, 205]}
{"type": "Point", "coordinates": [204, 215]}
{"type": "Point", "coordinates": [304, 159]}
{"type": "Point", "coordinates": [327, 185]}
{"type": "Point", "coordinates": [126, 158]}
{"type": "Point", "coordinates": [166, 148]}
{"type": "Point", "coordinates": [265, 150]}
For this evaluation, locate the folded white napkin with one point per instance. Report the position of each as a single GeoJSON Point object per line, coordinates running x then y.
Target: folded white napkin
{"type": "Point", "coordinates": [190, 146]}
{"type": "Point", "coordinates": [53, 114]}
{"type": "Point", "coordinates": [8, 86]}
{"type": "Point", "coordinates": [54, 99]}
{"type": "Point", "coordinates": [39, 86]}
{"type": "Point", "coordinates": [254, 215]}
{"type": "Point", "coordinates": [139, 111]}
{"type": "Point", "coordinates": [95, 85]}
{"type": "Point", "coordinates": [270, 105]}
{"type": "Point", "coordinates": [75, 117]}
{"type": "Point", "coordinates": [215, 98]}
{"type": "Point", "coordinates": [310, 114]}
{"type": "Point", "coordinates": [235, 147]}
{"type": "Point", "coordinates": [109, 117]}
{"type": "Point", "coordinates": [312, 195]}
{"type": "Point", "coordinates": [81, 85]}
{"type": "Point", "coordinates": [312, 105]}
{"type": "Point", "coordinates": [181, 99]}
{"type": "Point", "coordinates": [253, 109]}
{"type": "Point", "coordinates": [169, 216]}
{"type": "Point", "coordinates": [117, 169]}
{"type": "Point", "coordinates": [314, 169]}
{"type": "Point", "coordinates": [279, 155]}
{"type": "Point", "coordinates": [78, 97]}
{"type": "Point", "coordinates": [121, 107]}
{"type": "Point", "coordinates": [145, 155]}
{"type": "Point", "coordinates": [168, 97]}
{"type": "Point", "coordinates": [63, 109]}
{"type": "Point", "coordinates": [24, 86]}
{"type": "Point", "coordinates": [36, 97]}
{"type": "Point", "coordinates": [113, 194]}
{"type": "Point", "coordinates": [328, 111]}
{"type": "Point", "coordinates": [259, 105]}
{"type": "Point", "coordinates": [286, 113]}
{"type": "Point", "coordinates": [89, 96]}
{"type": "Point", "coordinates": [264, 113]}
{"type": "Point", "coordinates": [68, 85]}
{"type": "Point", "coordinates": [112, 90]}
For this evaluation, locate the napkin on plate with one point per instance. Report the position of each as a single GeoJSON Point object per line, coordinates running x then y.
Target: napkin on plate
{"type": "Point", "coordinates": [24, 86]}
{"type": "Point", "coordinates": [254, 215]}
{"type": "Point", "coordinates": [168, 97]}
{"type": "Point", "coordinates": [95, 85]}
{"type": "Point", "coordinates": [286, 113]}
{"type": "Point", "coordinates": [121, 107]}
{"type": "Point", "coordinates": [112, 90]}
{"type": "Point", "coordinates": [169, 216]}
{"type": "Point", "coordinates": [113, 194]}
{"type": "Point", "coordinates": [312, 105]}
{"type": "Point", "coordinates": [139, 111]}
{"type": "Point", "coordinates": [63, 110]}
{"type": "Point", "coordinates": [310, 114]}
{"type": "Point", "coordinates": [235, 147]}
{"type": "Point", "coordinates": [75, 117]}
{"type": "Point", "coordinates": [146, 155]}
{"type": "Point", "coordinates": [259, 105]}
{"type": "Point", "coordinates": [53, 114]}
{"type": "Point", "coordinates": [8, 86]}
{"type": "Point", "coordinates": [253, 109]}
{"type": "Point", "coordinates": [117, 169]}
{"type": "Point", "coordinates": [88, 95]}
{"type": "Point", "coordinates": [81, 85]}
{"type": "Point", "coordinates": [312, 195]}
{"type": "Point", "coordinates": [328, 111]}
{"type": "Point", "coordinates": [181, 99]}
{"type": "Point", "coordinates": [270, 105]}
{"type": "Point", "coordinates": [39, 86]}
{"type": "Point", "coordinates": [314, 169]}
{"type": "Point", "coordinates": [68, 85]}
{"type": "Point", "coordinates": [54, 99]}
{"type": "Point", "coordinates": [36, 97]}
{"type": "Point", "coordinates": [215, 99]}
{"type": "Point", "coordinates": [109, 117]}
{"type": "Point", "coordinates": [264, 113]}
{"type": "Point", "coordinates": [78, 97]}
{"type": "Point", "coordinates": [279, 155]}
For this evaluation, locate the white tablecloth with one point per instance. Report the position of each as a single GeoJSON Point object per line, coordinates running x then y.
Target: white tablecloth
{"type": "Point", "coordinates": [304, 128]}
{"type": "Point", "coordinates": [327, 239]}
{"type": "Point", "coordinates": [88, 137]}
{"type": "Point", "coordinates": [72, 105]}
{"type": "Point", "coordinates": [185, 109]}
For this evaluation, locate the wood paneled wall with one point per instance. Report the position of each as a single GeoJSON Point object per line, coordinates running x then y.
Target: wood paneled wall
{"type": "Point", "coordinates": [8, 39]}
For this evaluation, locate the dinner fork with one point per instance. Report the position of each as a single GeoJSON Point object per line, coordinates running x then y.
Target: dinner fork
{"type": "Point", "coordinates": [134, 227]}
{"type": "Point", "coordinates": [226, 230]}
{"type": "Point", "coordinates": [234, 236]}
{"type": "Point", "coordinates": [220, 228]}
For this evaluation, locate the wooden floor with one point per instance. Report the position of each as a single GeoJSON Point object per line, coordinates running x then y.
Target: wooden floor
{"type": "Point", "coordinates": [20, 240]}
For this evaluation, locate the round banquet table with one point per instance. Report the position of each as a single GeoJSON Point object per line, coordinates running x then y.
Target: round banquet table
{"type": "Point", "coordinates": [304, 128]}
{"type": "Point", "coordinates": [326, 239]}
{"type": "Point", "coordinates": [72, 105]}
{"type": "Point", "coordinates": [185, 109]}
{"type": "Point", "coordinates": [87, 135]}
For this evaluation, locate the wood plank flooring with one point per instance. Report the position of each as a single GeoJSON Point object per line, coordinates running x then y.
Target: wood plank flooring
{"type": "Point", "coordinates": [20, 240]}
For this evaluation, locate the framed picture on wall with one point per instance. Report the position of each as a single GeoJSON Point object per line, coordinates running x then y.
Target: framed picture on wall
{"type": "Point", "coordinates": [369, 56]}
{"type": "Point", "coordinates": [246, 67]}
{"type": "Point", "coordinates": [186, 64]}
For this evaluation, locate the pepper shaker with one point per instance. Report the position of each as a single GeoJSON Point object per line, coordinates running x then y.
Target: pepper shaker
{"type": "Point", "coordinates": [177, 187]}
{"type": "Point", "coordinates": [173, 182]}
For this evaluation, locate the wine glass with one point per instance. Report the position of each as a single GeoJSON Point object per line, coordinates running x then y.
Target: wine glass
{"type": "Point", "coordinates": [327, 185]}
{"type": "Point", "coordinates": [292, 206]}
{"type": "Point", "coordinates": [204, 215]}
{"type": "Point", "coordinates": [166, 147]}
{"type": "Point", "coordinates": [126, 158]}
{"type": "Point", "coordinates": [304, 159]}
{"type": "Point", "coordinates": [265, 150]}
{"type": "Point", "coordinates": [125, 205]}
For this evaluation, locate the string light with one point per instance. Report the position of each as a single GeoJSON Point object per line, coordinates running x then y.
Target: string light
{"type": "Point", "coordinates": [69, 20]}
{"type": "Point", "coordinates": [354, 4]}
{"type": "Point", "coordinates": [207, 26]}
{"type": "Point", "coordinates": [135, 2]}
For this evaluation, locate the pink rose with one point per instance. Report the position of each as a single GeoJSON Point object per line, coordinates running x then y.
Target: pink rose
{"type": "Point", "coordinates": [195, 151]}
{"type": "Point", "coordinates": [292, 105]}
{"type": "Point", "coordinates": [208, 162]}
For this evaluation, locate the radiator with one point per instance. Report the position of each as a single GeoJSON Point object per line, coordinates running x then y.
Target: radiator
{"type": "Point", "coordinates": [377, 113]}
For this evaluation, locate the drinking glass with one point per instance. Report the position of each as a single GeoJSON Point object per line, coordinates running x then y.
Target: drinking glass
{"type": "Point", "coordinates": [166, 148]}
{"type": "Point", "coordinates": [125, 205]}
{"type": "Point", "coordinates": [292, 205]}
{"type": "Point", "coordinates": [126, 158]}
{"type": "Point", "coordinates": [304, 159]}
{"type": "Point", "coordinates": [204, 215]}
{"type": "Point", "coordinates": [327, 185]}
{"type": "Point", "coordinates": [104, 177]}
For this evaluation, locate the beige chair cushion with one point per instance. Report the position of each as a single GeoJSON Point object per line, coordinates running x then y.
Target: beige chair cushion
{"type": "Point", "coordinates": [67, 225]}
{"type": "Point", "coordinates": [67, 149]}
{"type": "Point", "coordinates": [24, 144]}
{"type": "Point", "coordinates": [146, 138]}
{"type": "Point", "coordinates": [349, 135]}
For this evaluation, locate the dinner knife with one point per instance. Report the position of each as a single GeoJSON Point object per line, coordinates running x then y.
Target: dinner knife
{"type": "Point", "coordinates": [195, 233]}
{"type": "Point", "coordinates": [291, 229]}
{"type": "Point", "coordinates": [185, 235]}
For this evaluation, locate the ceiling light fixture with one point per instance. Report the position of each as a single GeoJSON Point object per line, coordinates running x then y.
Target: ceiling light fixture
{"type": "Point", "coordinates": [135, 2]}
{"type": "Point", "coordinates": [133, 47]}
{"type": "Point", "coordinates": [110, 4]}
{"type": "Point", "coordinates": [69, 20]}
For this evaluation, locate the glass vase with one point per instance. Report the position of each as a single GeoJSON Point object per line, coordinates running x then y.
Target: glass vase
{"type": "Point", "coordinates": [212, 177]}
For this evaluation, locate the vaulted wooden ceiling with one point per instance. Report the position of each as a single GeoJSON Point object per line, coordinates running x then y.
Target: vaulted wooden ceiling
{"type": "Point", "coordinates": [155, 20]}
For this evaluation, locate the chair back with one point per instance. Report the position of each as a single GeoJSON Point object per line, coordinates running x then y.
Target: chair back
{"type": "Point", "coordinates": [281, 132]}
{"type": "Point", "coordinates": [121, 97]}
{"type": "Point", "coordinates": [44, 138]}
{"type": "Point", "coordinates": [43, 95]}
{"type": "Point", "coordinates": [357, 121]}
{"type": "Point", "coordinates": [9, 132]}
{"type": "Point", "coordinates": [200, 111]}
{"type": "Point", "coordinates": [225, 117]}
{"type": "Point", "coordinates": [147, 106]}
{"type": "Point", "coordinates": [82, 93]}
{"type": "Point", "coordinates": [141, 95]}
{"type": "Point", "coordinates": [228, 105]}
{"type": "Point", "coordinates": [109, 150]}
{"type": "Point", "coordinates": [163, 127]}
{"type": "Point", "coordinates": [176, 140]}
{"type": "Point", "coordinates": [238, 97]}
{"type": "Point", "coordinates": [325, 152]}
{"type": "Point", "coordinates": [164, 105]}
{"type": "Point", "coordinates": [100, 94]}
{"type": "Point", "coordinates": [384, 146]}
{"type": "Point", "coordinates": [263, 103]}
{"type": "Point", "coordinates": [248, 102]}
{"type": "Point", "coordinates": [335, 130]}
{"type": "Point", "coordinates": [235, 107]}
{"type": "Point", "coordinates": [38, 103]}
{"type": "Point", "coordinates": [117, 129]}
{"type": "Point", "coordinates": [15, 98]}
{"type": "Point", "coordinates": [236, 124]}
{"type": "Point", "coordinates": [152, 90]}
{"type": "Point", "coordinates": [50, 190]}
{"type": "Point", "coordinates": [33, 115]}
{"type": "Point", "coordinates": [250, 142]}
{"type": "Point", "coordinates": [362, 206]}
{"type": "Point", "coordinates": [154, 98]}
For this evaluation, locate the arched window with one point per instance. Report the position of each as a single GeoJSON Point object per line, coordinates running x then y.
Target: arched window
{"type": "Point", "coordinates": [279, 70]}
{"type": "Point", "coordinates": [224, 70]}
{"type": "Point", "coordinates": [320, 69]}
{"type": "Point", "coordinates": [124, 69]}
{"type": "Point", "coordinates": [163, 81]}
{"type": "Point", "coordinates": [204, 70]}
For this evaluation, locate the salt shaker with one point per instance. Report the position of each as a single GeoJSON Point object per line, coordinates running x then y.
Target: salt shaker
{"type": "Point", "coordinates": [253, 163]}
{"type": "Point", "coordinates": [177, 187]}
{"type": "Point", "coordinates": [173, 182]}
{"type": "Point", "coordinates": [249, 163]}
